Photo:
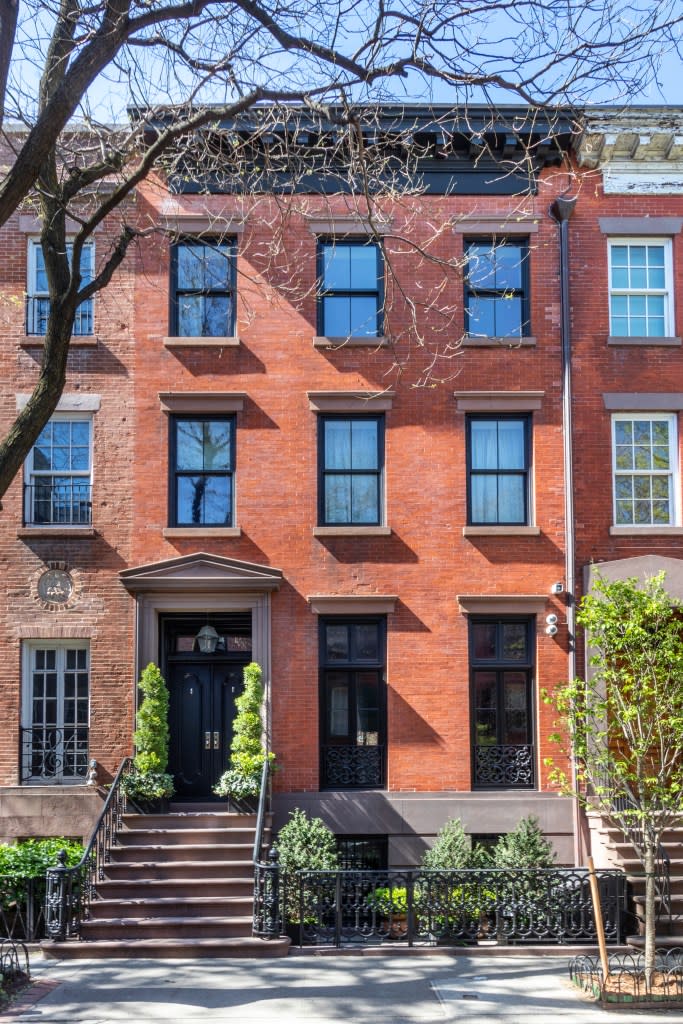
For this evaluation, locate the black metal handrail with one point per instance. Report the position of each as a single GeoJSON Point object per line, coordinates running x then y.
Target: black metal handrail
{"type": "Point", "coordinates": [70, 890]}
{"type": "Point", "coordinates": [62, 502]}
{"type": "Point", "coordinates": [623, 814]}
{"type": "Point", "coordinates": [267, 921]}
{"type": "Point", "coordinates": [38, 312]}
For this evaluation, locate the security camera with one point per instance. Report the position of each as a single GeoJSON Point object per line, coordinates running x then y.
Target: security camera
{"type": "Point", "coordinates": [551, 619]}
{"type": "Point", "coordinates": [551, 630]}
{"type": "Point", "coordinates": [557, 588]}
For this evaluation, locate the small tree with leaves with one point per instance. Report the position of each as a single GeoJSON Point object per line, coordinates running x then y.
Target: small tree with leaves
{"type": "Point", "coordinates": [524, 847]}
{"type": "Point", "coordinates": [243, 777]}
{"type": "Point", "coordinates": [625, 720]}
{"type": "Point", "coordinates": [452, 848]}
{"type": "Point", "coordinates": [149, 780]}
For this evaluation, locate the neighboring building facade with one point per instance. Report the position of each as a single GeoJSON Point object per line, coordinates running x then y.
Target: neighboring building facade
{"type": "Point", "coordinates": [339, 444]}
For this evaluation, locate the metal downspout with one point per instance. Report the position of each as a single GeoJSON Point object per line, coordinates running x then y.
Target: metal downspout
{"type": "Point", "coordinates": [561, 211]}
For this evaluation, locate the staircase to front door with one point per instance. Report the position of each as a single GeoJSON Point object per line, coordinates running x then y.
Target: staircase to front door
{"type": "Point", "coordinates": [177, 885]}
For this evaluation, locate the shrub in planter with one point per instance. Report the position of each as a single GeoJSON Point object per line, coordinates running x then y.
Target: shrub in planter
{"type": "Point", "coordinates": [149, 785]}
{"type": "Point", "coordinates": [524, 847]}
{"type": "Point", "coordinates": [525, 895]}
{"type": "Point", "coordinates": [304, 844]}
{"type": "Point", "coordinates": [242, 781]}
{"type": "Point", "coordinates": [452, 848]}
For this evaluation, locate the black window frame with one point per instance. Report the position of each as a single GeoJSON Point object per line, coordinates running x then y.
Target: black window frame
{"type": "Point", "coordinates": [526, 418]}
{"type": "Point", "coordinates": [500, 665]}
{"type": "Point", "coordinates": [323, 472]}
{"type": "Point", "coordinates": [353, 666]}
{"type": "Point", "coordinates": [186, 241]}
{"type": "Point", "coordinates": [175, 474]}
{"type": "Point", "coordinates": [523, 292]}
{"type": "Point", "coordinates": [324, 293]}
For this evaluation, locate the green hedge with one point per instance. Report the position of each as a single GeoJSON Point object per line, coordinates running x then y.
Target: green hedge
{"type": "Point", "coordinates": [30, 859]}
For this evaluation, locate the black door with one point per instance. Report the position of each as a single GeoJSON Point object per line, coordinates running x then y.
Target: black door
{"type": "Point", "coordinates": [202, 707]}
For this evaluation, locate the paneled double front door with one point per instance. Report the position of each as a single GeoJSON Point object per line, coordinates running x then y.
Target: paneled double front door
{"type": "Point", "coordinates": [201, 711]}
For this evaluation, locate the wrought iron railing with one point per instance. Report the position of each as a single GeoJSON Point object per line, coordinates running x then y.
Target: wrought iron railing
{"type": "Point", "coordinates": [38, 311]}
{"type": "Point", "coordinates": [428, 907]}
{"type": "Point", "coordinates": [625, 815]}
{"type": "Point", "coordinates": [504, 765]}
{"type": "Point", "coordinates": [266, 924]}
{"type": "Point", "coordinates": [71, 890]}
{"type": "Point", "coordinates": [62, 502]}
{"type": "Point", "coordinates": [21, 908]}
{"type": "Point", "coordinates": [346, 767]}
{"type": "Point", "coordinates": [51, 754]}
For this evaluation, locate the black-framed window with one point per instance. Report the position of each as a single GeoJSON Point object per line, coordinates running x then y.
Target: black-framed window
{"type": "Point", "coordinates": [363, 853]}
{"type": "Point", "coordinates": [202, 470]}
{"type": "Point", "coordinates": [497, 287]}
{"type": "Point", "coordinates": [350, 460]}
{"type": "Point", "coordinates": [498, 478]}
{"type": "Point", "coordinates": [352, 703]}
{"type": "Point", "coordinates": [351, 288]}
{"type": "Point", "coordinates": [501, 668]}
{"type": "Point", "coordinates": [203, 288]}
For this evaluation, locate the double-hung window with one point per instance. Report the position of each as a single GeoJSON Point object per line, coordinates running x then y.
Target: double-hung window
{"type": "Point", "coordinates": [641, 290]}
{"type": "Point", "coordinates": [202, 470]}
{"type": "Point", "coordinates": [351, 296]}
{"type": "Point", "coordinates": [58, 473]}
{"type": "Point", "coordinates": [498, 470]}
{"type": "Point", "coordinates": [501, 661]}
{"type": "Point", "coordinates": [55, 712]}
{"type": "Point", "coordinates": [497, 288]}
{"type": "Point", "coordinates": [644, 466]}
{"type": "Point", "coordinates": [353, 704]}
{"type": "Point", "coordinates": [351, 457]}
{"type": "Point", "coordinates": [38, 300]}
{"type": "Point", "coordinates": [203, 288]}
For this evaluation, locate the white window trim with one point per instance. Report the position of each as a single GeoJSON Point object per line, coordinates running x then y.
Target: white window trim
{"type": "Point", "coordinates": [28, 648]}
{"type": "Point", "coordinates": [672, 420]}
{"type": "Point", "coordinates": [32, 290]}
{"type": "Point", "coordinates": [31, 474]}
{"type": "Point", "coordinates": [667, 291]}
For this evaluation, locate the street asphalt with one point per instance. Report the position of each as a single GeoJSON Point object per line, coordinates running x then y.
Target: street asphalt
{"type": "Point", "coordinates": [315, 990]}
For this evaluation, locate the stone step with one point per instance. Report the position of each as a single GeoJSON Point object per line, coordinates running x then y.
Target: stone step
{"type": "Point", "coordinates": [662, 941]}
{"type": "Point", "coordinates": [152, 888]}
{"type": "Point", "coordinates": [638, 884]}
{"type": "Point", "coordinates": [182, 870]}
{"type": "Point", "coordinates": [187, 836]}
{"type": "Point", "coordinates": [163, 852]}
{"type": "Point", "coordinates": [233, 907]}
{"type": "Point", "coordinates": [151, 949]}
{"type": "Point", "coordinates": [192, 820]}
{"type": "Point", "coordinates": [133, 928]}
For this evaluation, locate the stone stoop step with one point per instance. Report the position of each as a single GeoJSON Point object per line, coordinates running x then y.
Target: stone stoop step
{"type": "Point", "coordinates": [178, 885]}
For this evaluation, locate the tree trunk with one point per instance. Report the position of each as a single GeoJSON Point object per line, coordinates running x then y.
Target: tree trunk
{"type": "Point", "coordinates": [650, 913]}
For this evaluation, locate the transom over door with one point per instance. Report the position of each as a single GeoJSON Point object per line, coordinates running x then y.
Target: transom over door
{"type": "Point", "coordinates": [201, 711]}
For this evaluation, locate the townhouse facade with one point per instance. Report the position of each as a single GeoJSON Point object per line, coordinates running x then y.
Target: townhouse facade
{"type": "Point", "coordinates": [332, 438]}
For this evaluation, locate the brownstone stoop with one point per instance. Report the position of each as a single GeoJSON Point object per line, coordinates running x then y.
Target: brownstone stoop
{"type": "Point", "coordinates": [177, 885]}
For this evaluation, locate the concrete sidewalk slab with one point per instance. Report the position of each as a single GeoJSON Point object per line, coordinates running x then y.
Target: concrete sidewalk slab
{"type": "Point", "coordinates": [316, 990]}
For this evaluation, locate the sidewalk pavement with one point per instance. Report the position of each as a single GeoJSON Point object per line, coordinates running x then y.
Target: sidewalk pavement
{"type": "Point", "coordinates": [315, 990]}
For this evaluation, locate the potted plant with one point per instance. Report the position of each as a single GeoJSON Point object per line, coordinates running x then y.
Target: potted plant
{"type": "Point", "coordinates": [303, 844]}
{"type": "Point", "coordinates": [148, 786]}
{"type": "Point", "coordinates": [391, 903]}
{"type": "Point", "coordinates": [241, 783]}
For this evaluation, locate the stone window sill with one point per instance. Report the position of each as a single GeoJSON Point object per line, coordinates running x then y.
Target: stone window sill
{"type": "Point", "coordinates": [195, 531]}
{"type": "Point", "coordinates": [613, 340]}
{"type": "Point", "coordinates": [646, 531]}
{"type": "Point", "coordinates": [379, 341]}
{"type": "Point", "coordinates": [351, 531]}
{"type": "Point", "coordinates": [501, 531]}
{"type": "Point", "coordinates": [470, 341]}
{"type": "Point", "coordinates": [227, 342]}
{"type": "Point", "coordinates": [75, 532]}
{"type": "Point", "coordinates": [77, 341]}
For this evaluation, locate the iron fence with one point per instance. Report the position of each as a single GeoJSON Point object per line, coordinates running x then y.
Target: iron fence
{"type": "Point", "coordinates": [22, 915]}
{"type": "Point", "coordinates": [66, 501]}
{"type": "Point", "coordinates": [429, 907]}
{"type": "Point", "coordinates": [38, 312]}
{"type": "Point", "coordinates": [52, 754]}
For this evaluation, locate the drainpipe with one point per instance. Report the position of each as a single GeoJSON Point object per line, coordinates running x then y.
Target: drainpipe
{"type": "Point", "coordinates": [561, 210]}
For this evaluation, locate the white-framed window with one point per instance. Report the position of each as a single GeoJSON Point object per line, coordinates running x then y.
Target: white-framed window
{"type": "Point", "coordinates": [55, 715]}
{"type": "Point", "coordinates": [58, 473]}
{"type": "Point", "coordinates": [641, 288]}
{"type": "Point", "coordinates": [38, 301]}
{"type": "Point", "coordinates": [645, 471]}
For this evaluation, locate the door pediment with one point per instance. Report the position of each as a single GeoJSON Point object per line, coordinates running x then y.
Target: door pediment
{"type": "Point", "coordinates": [639, 566]}
{"type": "Point", "coordinates": [201, 573]}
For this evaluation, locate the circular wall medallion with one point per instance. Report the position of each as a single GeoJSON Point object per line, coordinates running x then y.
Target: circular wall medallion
{"type": "Point", "coordinates": [55, 586]}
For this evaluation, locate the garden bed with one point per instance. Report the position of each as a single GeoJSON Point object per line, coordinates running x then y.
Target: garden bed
{"type": "Point", "coordinates": [627, 983]}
